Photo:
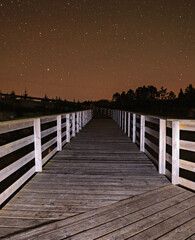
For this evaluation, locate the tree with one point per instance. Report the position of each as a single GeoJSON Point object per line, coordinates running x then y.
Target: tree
{"type": "Point", "coordinates": [171, 95]}
{"type": "Point", "coordinates": [153, 93]}
{"type": "Point", "coordinates": [163, 94]}
{"type": "Point", "coordinates": [130, 95]}
{"type": "Point", "coordinates": [13, 95]}
{"type": "Point", "coordinates": [116, 97]}
{"type": "Point", "coordinates": [46, 98]}
{"type": "Point", "coordinates": [25, 94]}
{"type": "Point", "coordinates": [146, 93]}
{"type": "Point", "coordinates": [181, 94]}
{"type": "Point", "coordinates": [189, 89]}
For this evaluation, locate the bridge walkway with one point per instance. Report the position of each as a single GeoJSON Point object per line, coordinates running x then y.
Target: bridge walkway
{"type": "Point", "coordinates": [100, 186]}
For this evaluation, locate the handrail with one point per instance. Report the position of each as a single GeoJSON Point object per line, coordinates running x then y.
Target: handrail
{"type": "Point", "coordinates": [162, 140]}
{"type": "Point", "coordinates": [39, 144]}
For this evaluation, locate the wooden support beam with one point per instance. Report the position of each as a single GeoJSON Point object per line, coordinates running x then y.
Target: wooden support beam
{"type": "Point", "coordinates": [175, 152]}
{"type": "Point", "coordinates": [59, 132]}
{"type": "Point", "coordinates": [129, 123]}
{"type": "Point", "coordinates": [134, 127]}
{"type": "Point", "coordinates": [142, 133]}
{"type": "Point", "coordinates": [77, 122]}
{"type": "Point", "coordinates": [67, 127]}
{"type": "Point", "coordinates": [80, 120]}
{"type": "Point", "coordinates": [120, 119]}
{"type": "Point", "coordinates": [37, 145]}
{"type": "Point", "coordinates": [125, 122]}
{"type": "Point", "coordinates": [162, 146]}
{"type": "Point", "coordinates": [73, 125]}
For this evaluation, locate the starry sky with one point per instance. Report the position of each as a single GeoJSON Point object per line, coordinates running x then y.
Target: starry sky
{"type": "Point", "coordinates": [90, 49]}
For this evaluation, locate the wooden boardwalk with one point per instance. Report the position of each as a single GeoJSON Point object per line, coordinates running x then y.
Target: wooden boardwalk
{"type": "Point", "coordinates": [99, 187]}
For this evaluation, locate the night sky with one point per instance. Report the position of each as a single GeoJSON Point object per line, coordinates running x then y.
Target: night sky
{"type": "Point", "coordinates": [90, 49]}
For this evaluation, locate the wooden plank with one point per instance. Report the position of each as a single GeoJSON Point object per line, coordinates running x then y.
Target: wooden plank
{"type": "Point", "coordinates": [48, 156]}
{"type": "Point", "coordinates": [48, 144]}
{"type": "Point", "coordinates": [187, 125]}
{"type": "Point", "coordinates": [190, 166]}
{"type": "Point", "coordinates": [7, 171]}
{"type": "Point", "coordinates": [152, 145]}
{"type": "Point", "coordinates": [187, 145]}
{"type": "Point", "coordinates": [152, 132]}
{"type": "Point", "coordinates": [10, 190]}
{"type": "Point", "coordinates": [171, 221]}
{"type": "Point", "coordinates": [155, 161]}
{"type": "Point", "coordinates": [47, 119]}
{"type": "Point", "coordinates": [169, 124]}
{"type": "Point", "coordinates": [48, 131]}
{"type": "Point", "coordinates": [169, 140]}
{"type": "Point", "coordinates": [152, 120]}
{"type": "Point", "coordinates": [187, 183]}
{"type": "Point", "coordinates": [14, 125]}
{"type": "Point", "coordinates": [182, 232]}
{"type": "Point", "coordinates": [13, 146]}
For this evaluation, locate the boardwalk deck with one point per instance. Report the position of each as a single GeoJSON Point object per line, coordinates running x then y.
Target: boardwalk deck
{"type": "Point", "coordinates": [99, 187]}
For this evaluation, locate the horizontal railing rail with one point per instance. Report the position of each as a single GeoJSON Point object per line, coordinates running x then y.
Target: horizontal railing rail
{"type": "Point", "coordinates": [169, 143]}
{"type": "Point", "coordinates": [26, 145]}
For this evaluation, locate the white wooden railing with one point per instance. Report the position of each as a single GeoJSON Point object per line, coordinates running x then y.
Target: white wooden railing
{"type": "Point", "coordinates": [47, 135]}
{"type": "Point", "coordinates": [169, 143]}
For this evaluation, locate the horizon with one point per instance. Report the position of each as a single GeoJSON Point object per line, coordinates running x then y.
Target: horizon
{"type": "Point", "coordinates": [88, 100]}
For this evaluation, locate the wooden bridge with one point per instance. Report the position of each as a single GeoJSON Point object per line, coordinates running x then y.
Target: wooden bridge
{"type": "Point", "coordinates": [103, 184]}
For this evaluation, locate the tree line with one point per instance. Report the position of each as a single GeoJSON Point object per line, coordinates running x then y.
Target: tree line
{"type": "Point", "coordinates": [14, 106]}
{"type": "Point", "coordinates": [150, 100]}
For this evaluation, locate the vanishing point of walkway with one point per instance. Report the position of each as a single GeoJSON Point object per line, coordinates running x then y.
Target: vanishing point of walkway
{"type": "Point", "coordinates": [99, 187]}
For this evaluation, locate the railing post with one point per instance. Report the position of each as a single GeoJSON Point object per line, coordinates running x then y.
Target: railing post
{"type": "Point", "coordinates": [128, 125]}
{"type": "Point", "coordinates": [85, 117]}
{"type": "Point", "coordinates": [37, 145]}
{"type": "Point", "coordinates": [73, 124]}
{"type": "Point", "coordinates": [122, 127]}
{"type": "Point", "coordinates": [134, 127]}
{"type": "Point", "coordinates": [142, 133]}
{"type": "Point", "coordinates": [59, 133]}
{"type": "Point", "coordinates": [77, 122]}
{"type": "Point", "coordinates": [67, 127]}
{"type": "Point", "coordinates": [125, 122]}
{"type": "Point", "coordinates": [175, 152]}
{"type": "Point", "coordinates": [80, 121]}
{"type": "Point", "coordinates": [120, 116]}
{"type": "Point", "coordinates": [162, 146]}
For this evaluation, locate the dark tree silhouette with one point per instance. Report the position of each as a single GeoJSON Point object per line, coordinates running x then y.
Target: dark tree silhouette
{"type": "Point", "coordinates": [116, 97]}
